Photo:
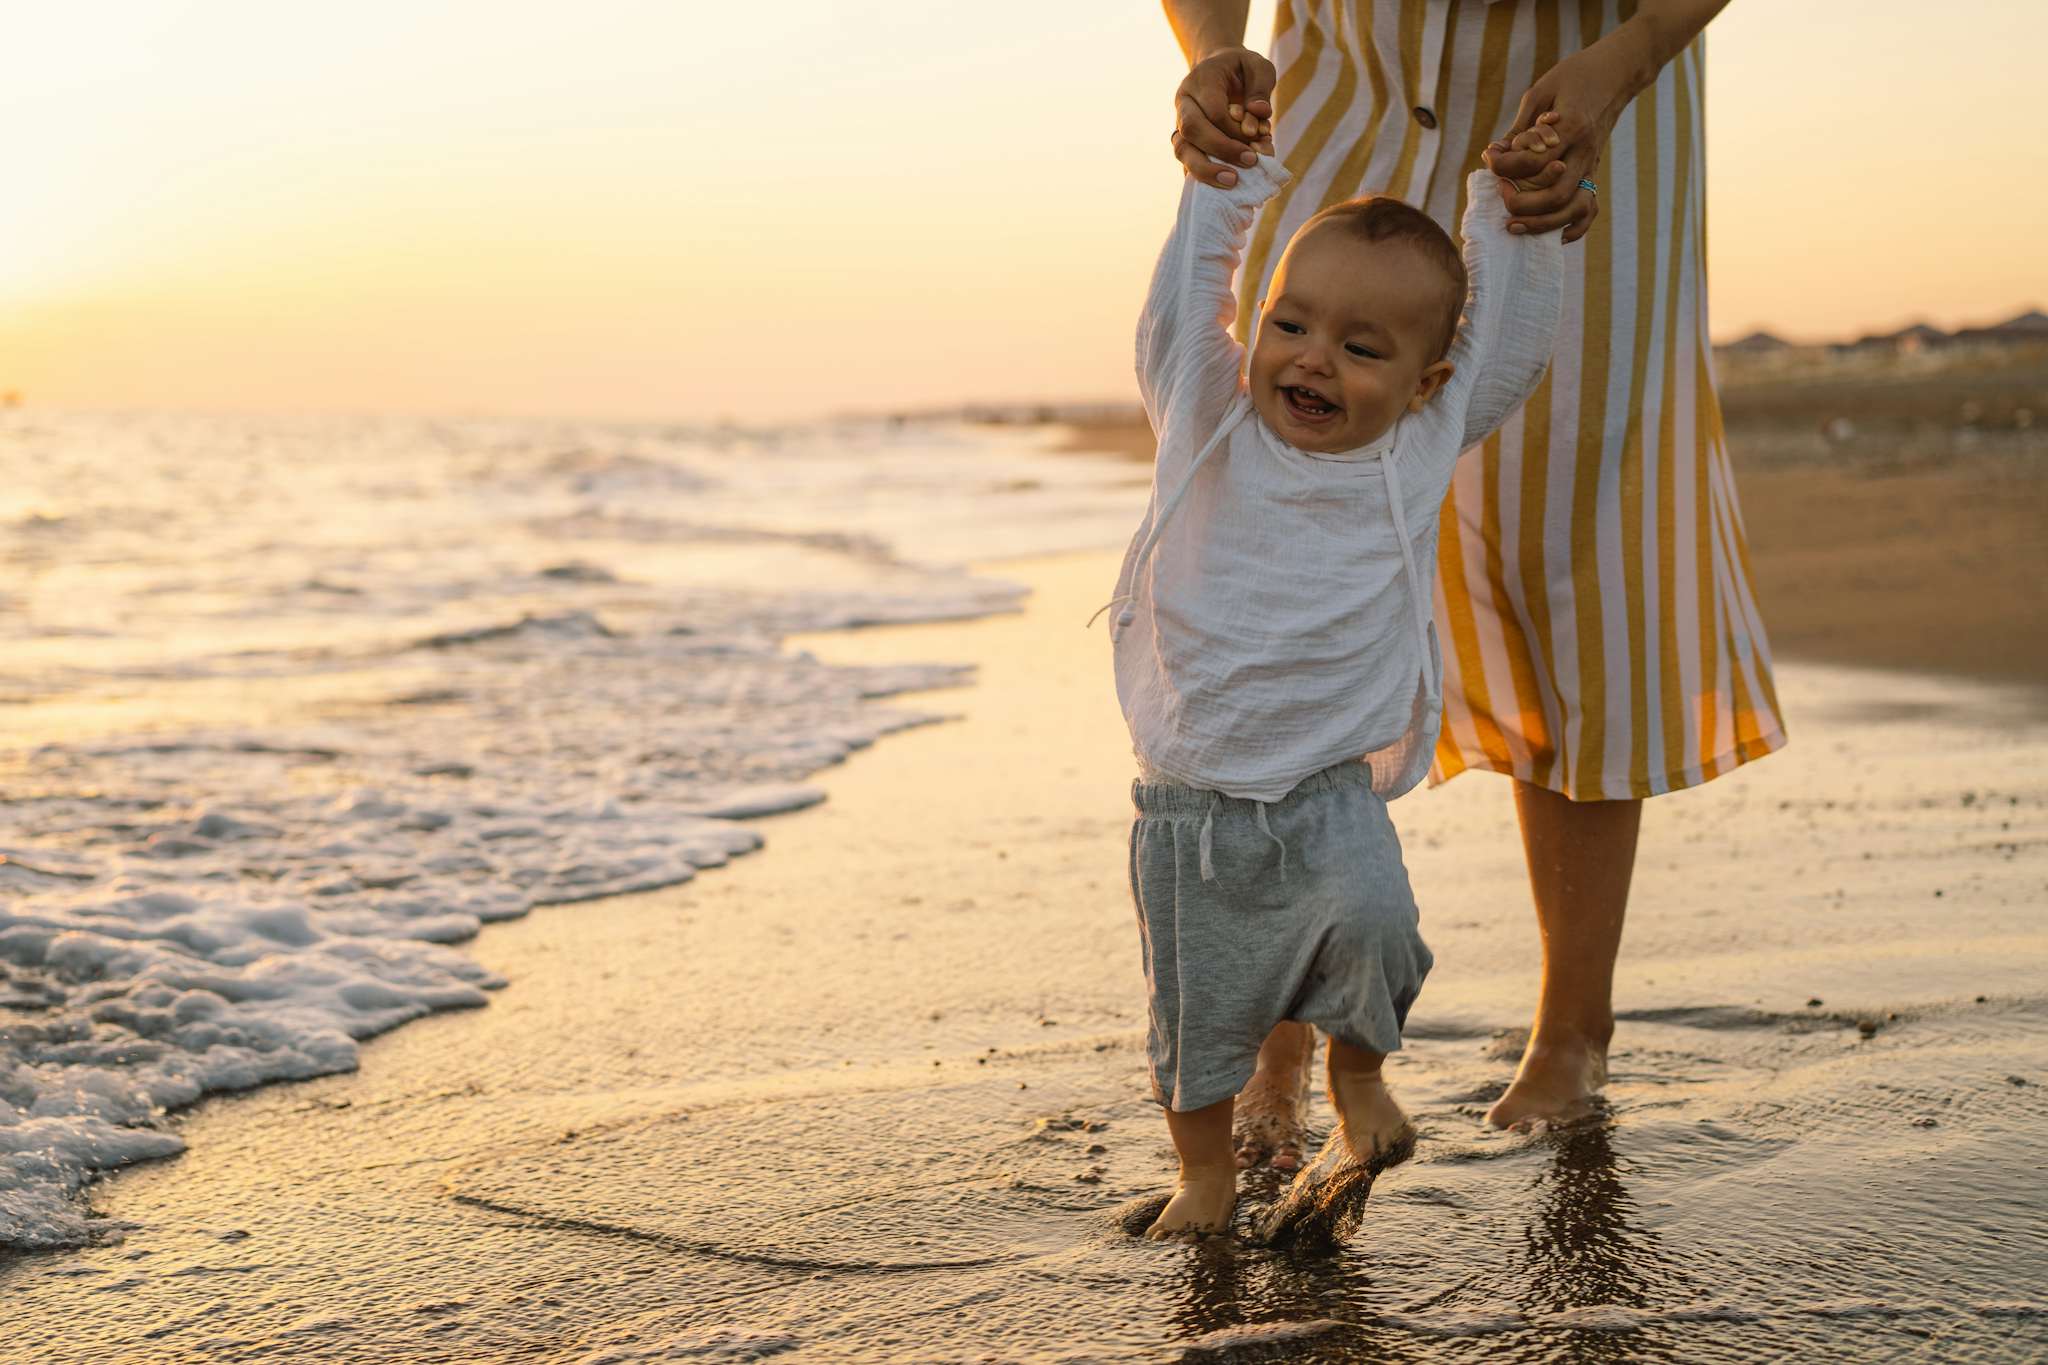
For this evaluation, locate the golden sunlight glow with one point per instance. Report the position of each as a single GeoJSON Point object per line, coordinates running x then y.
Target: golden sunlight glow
{"type": "Point", "coordinates": [636, 208]}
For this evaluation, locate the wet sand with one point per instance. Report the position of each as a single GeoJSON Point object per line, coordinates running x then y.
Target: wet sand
{"type": "Point", "coordinates": [878, 1092]}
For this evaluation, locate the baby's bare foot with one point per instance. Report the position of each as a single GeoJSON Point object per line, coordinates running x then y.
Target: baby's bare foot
{"type": "Point", "coordinates": [1200, 1207]}
{"type": "Point", "coordinates": [1369, 1123]}
{"type": "Point", "coordinates": [1272, 1124]}
{"type": "Point", "coordinates": [1325, 1203]}
{"type": "Point", "coordinates": [1272, 1110]}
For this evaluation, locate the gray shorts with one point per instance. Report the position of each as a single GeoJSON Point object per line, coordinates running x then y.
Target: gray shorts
{"type": "Point", "coordinates": [1253, 912]}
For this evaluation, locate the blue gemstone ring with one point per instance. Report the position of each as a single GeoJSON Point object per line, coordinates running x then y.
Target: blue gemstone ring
{"type": "Point", "coordinates": [1589, 187]}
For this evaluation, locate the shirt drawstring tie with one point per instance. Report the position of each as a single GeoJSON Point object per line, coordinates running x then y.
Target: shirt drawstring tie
{"type": "Point", "coordinates": [1127, 615]}
{"type": "Point", "coordinates": [1390, 470]}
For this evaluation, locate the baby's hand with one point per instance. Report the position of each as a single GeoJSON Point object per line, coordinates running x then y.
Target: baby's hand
{"type": "Point", "coordinates": [1255, 130]}
{"type": "Point", "coordinates": [1542, 136]}
{"type": "Point", "coordinates": [1237, 121]}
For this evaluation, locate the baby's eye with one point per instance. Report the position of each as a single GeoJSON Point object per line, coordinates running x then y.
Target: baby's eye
{"type": "Point", "coordinates": [1364, 351]}
{"type": "Point", "coordinates": [1291, 328]}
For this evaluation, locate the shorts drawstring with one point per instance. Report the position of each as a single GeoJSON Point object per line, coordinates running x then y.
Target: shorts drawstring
{"type": "Point", "coordinates": [1205, 841]}
{"type": "Point", "coordinates": [1267, 830]}
{"type": "Point", "coordinates": [1207, 837]}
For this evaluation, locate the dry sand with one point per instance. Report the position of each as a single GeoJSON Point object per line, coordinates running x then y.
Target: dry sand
{"type": "Point", "coordinates": [877, 1093]}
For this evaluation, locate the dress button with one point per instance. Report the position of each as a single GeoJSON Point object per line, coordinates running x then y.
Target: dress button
{"type": "Point", "coordinates": [1425, 116]}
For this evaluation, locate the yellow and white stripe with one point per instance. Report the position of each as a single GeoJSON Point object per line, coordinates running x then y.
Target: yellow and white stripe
{"type": "Point", "coordinates": [1593, 597]}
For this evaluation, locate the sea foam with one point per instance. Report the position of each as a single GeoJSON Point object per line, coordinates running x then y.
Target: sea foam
{"type": "Point", "coordinates": [305, 703]}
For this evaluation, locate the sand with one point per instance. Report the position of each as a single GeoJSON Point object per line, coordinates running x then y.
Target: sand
{"type": "Point", "coordinates": [877, 1092]}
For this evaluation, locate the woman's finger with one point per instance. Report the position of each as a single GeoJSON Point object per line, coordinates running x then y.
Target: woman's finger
{"type": "Point", "coordinates": [1509, 164]}
{"type": "Point", "coordinates": [1550, 222]}
{"type": "Point", "coordinates": [1209, 90]}
{"type": "Point", "coordinates": [1544, 201]}
{"type": "Point", "coordinates": [1548, 177]}
{"type": "Point", "coordinates": [1584, 223]}
{"type": "Point", "coordinates": [1210, 135]}
{"type": "Point", "coordinates": [1259, 77]}
{"type": "Point", "coordinates": [1198, 163]}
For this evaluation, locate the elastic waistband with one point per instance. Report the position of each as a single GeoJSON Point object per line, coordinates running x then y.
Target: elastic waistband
{"type": "Point", "coordinates": [1171, 798]}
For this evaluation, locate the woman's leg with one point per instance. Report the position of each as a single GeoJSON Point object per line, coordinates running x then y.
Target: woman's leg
{"type": "Point", "coordinates": [1581, 855]}
{"type": "Point", "coordinates": [1272, 1110]}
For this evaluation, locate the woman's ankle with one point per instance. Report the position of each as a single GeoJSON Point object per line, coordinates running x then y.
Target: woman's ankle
{"type": "Point", "coordinates": [1577, 1032]}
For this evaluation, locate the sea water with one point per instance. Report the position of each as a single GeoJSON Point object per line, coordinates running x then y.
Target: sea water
{"type": "Point", "coordinates": [294, 706]}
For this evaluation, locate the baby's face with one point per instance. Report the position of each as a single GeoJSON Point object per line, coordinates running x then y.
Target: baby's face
{"type": "Point", "coordinates": [1346, 340]}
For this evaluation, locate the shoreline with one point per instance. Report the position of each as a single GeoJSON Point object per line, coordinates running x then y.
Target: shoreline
{"type": "Point", "coordinates": [924, 997]}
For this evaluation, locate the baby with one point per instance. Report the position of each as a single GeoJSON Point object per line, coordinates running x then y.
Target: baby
{"type": "Point", "coordinates": [1275, 653]}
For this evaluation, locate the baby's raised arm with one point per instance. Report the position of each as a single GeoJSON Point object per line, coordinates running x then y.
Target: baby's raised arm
{"type": "Point", "coordinates": [1511, 309]}
{"type": "Point", "coordinates": [1187, 360]}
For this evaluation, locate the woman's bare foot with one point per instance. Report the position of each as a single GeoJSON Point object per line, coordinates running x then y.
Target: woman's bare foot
{"type": "Point", "coordinates": [1200, 1207]}
{"type": "Point", "coordinates": [1272, 1110]}
{"type": "Point", "coordinates": [1326, 1201]}
{"type": "Point", "coordinates": [1558, 1081]}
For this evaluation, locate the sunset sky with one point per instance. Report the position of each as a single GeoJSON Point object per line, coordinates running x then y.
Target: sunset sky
{"type": "Point", "coordinates": [638, 208]}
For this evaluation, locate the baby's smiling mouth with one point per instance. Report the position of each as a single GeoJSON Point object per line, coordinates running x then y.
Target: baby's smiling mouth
{"type": "Point", "coordinates": [1306, 405]}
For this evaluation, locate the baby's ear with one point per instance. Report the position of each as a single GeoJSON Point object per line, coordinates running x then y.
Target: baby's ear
{"type": "Point", "coordinates": [1433, 379]}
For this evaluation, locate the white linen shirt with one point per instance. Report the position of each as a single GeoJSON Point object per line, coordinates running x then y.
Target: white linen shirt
{"type": "Point", "coordinates": [1273, 613]}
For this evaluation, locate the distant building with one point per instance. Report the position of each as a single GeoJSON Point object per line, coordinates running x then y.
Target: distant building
{"type": "Point", "coordinates": [1916, 336]}
{"type": "Point", "coordinates": [1756, 343]}
{"type": "Point", "coordinates": [2031, 325]}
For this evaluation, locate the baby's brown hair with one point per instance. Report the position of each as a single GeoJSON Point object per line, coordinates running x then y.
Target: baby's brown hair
{"type": "Point", "coordinates": [1383, 218]}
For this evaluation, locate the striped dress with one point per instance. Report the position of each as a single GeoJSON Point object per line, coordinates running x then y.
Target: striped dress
{"type": "Point", "coordinates": [1601, 637]}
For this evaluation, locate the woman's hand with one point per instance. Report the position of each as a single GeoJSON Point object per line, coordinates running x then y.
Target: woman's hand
{"type": "Point", "coordinates": [1587, 91]}
{"type": "Point", "coordinates": [1224, 109]}
{"type": "Point", "coordinates": [1542, 139]}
